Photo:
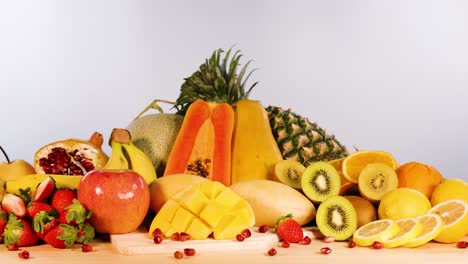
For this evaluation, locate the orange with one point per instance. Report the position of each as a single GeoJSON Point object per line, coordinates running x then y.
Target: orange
{"type": "Point", "coordinates": [419, 176]}
{"type": "Point", "coordinates": [346, 186]}
{"type": "Point", "coordinates": [354, 163]}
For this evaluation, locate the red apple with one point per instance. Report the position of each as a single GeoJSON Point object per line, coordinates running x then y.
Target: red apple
{"type": "Point", "coordinates": [12, 170]}
{"type": "Point", "coordinates": [119, 199]}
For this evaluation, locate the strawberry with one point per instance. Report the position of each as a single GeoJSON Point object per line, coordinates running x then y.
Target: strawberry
{"type": "Point", "coordinates": [62, 236]}
{"type": "Point", "coordinates": [85, 234]}
{"type": "Point", "coordinates": [44, 222]}
{"type": "Point", "coordinates": [289, 229]}
{"type": "Point", "coordinates": [45, 189]}
{"type": "Point", "coordinates": [74, 214]}
{"type": "Point", "coordinates": [3, 223]}
{"type": "Point", "coordinates": [36, 207]}
{"type": "Point", "coordinates": [18, 232]}
{"type": "Point", "coordinates": [62, 198]}
{"type": "Point", "coordinates": [14, 204]}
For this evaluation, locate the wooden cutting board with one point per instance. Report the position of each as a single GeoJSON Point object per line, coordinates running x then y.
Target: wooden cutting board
{"type": "Point", "coordinates": [140, 243]}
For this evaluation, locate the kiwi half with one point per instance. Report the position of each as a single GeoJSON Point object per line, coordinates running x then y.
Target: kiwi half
{"type": "Point", "coordinates": [375, 180]}
{"type": "Point", "coordinates": [319, 181]}
{"type": "Point", "coordinates": [336, 217]}
{"type": "Point", "coordinates": [289, 172]}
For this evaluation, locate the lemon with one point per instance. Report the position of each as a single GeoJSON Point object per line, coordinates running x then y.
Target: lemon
{"type": "Point", "coordinates": [433, 225]}
{"type": "Point", "coordinates": [379, 230]}
{"type": "Point", "coordinates": [403, 203]}
{"type": "Point", "coordinates": [450, 189]}
{"type": "Point", "coordinates": [454, 213]}
{"type": "Point", "coordinates": [356, 162]}
{"type": "Point", "coordinates": [409, 229]}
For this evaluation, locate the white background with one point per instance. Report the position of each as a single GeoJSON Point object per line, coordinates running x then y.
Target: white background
{"type": "Point", "coordinates": [390, 75]}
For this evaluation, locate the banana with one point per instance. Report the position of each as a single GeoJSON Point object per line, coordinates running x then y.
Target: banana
{"type": "Point", "coordinates": [140, 162]}
{"type": "Point", "coordinates": [117, 158]}
{"type": "Point", "coordinates": [32, 181]}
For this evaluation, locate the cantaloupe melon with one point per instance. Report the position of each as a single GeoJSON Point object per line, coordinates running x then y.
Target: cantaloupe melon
{"type": "Point", "coordinates": [155, 135]}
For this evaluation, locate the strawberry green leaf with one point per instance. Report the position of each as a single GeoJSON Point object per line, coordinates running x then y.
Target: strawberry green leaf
{"type": "Point", "coordinates": [68, 235]}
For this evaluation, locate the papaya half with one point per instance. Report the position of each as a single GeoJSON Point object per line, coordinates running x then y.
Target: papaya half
{"type": "Point", "coordinates": [203, 144]}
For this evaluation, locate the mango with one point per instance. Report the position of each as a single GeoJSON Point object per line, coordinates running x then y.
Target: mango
{"type": "Point", "coordinates": [202, 209]}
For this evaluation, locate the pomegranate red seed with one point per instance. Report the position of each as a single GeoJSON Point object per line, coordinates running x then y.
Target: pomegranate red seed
{"type": "Point", "coordinates": [263, 228]}
{"type": "Point", "coordinates": [158, 239]}
{"type": "Point", "coordinates": [157, 232]}
{"type": "Point", "coordinates": [377, 245]}
{"type": "Point", "coordinates": [285, 244]}
{"type": "Point", "coordinates": [305, 241]}
{"type": "Point", "coordinates": [329, 239]}
{"type": "Point", "coordinates": [189, 252]}
{"type": "Point", "coordinates": [12, 247]}
{"type": "Point", "coordinates": [351, 244]}
{"type": "Point", "coordinates": [246, 233]}
{"type": "Point", "coordinates": [178, 255]}
{"type": "Point", "coordinates": [23, 254]}
{"type": "Point", "coordinates": [325, 250]}
{"type": "Point", "coordinates": [240, 237]}
{"type": "Point", "coordinates": [271, 252]}
{"type": "Point", "coordinates": [175, 236]}
{"type": "Point", "coordinates": [86, 248]}
{"type": "Point", "coordinates": [462, 244]}
{"type": "Point", "coordinates": [184, 236]}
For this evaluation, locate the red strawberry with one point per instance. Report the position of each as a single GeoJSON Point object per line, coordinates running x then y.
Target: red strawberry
{"type": "Point", "coordinates": [45, 189]}
{"type": "Point", "coordinates": [85, 234]}
{"type": "Point", "coordinates": [14, 204]}
{"type": "Point", "coordinates": [36, 207]}
{"type": "Point", "coordinates": [3, 223]}
{"type": "Point", "coordinates": [44, 222]}
{"type": "Point", "coordinates": [62, 198]}
{"type": "Point", "coordinates": [74, 214]}
{"type": "Point", "coordinates": [62, 236]}
{"type": "Point", "coordinates": [18, 232]}
{"type": "Point", "coordinates": [289, 229]}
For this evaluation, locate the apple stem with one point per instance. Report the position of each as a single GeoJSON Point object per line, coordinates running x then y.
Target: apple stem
{"type": "Point", "coordinates": [4, 153]}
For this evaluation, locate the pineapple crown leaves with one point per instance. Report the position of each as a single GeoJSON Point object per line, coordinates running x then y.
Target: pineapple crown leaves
{"type": "Point", "coordinates": [77, 212]}
{"type": "Point", "coordinates": [217, 80]}
{"type": "Point", "coordinates": [13, 227]}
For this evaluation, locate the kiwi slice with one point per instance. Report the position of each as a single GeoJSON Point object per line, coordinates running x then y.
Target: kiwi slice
{"type": "Point", "coordinates": [336, 217]}
{"type": "Point", "coordinates": [319, 181]}
{"type": "Point", "coordinates": [375, 180]}
{"type": "Point", "coordinates": [289, 172]}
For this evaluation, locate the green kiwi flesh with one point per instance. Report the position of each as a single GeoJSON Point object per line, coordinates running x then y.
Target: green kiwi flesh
{"type": "Point", "coordinates": [319, 181]}
{"type": "Point", "coordinates": [289, 172]}
{"type": "Point", "coordinates": [337, 218]}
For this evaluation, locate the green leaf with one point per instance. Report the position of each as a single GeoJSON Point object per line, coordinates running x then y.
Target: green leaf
{"type": "Point", "coordinates": [68, 235]}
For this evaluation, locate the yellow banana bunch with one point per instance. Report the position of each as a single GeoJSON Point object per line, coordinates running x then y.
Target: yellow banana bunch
{"type": "Point", "coordinates": [125, 155]}
{"type": "Point", "coordinates": [33, 180]}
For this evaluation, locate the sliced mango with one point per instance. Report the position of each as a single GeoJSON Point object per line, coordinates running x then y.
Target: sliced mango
{"type": "Point", "coordinates": [202, 209]}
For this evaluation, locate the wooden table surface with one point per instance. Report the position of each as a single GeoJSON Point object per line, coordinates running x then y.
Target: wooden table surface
{"type": "Point", "coordinates": [103, 252]}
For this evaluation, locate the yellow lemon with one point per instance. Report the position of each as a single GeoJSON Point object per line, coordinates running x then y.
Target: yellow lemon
{"type": "Point", "coordinates": [379, 230]}
{"type": "Point", "coordinates": [409, 229]}
{"type": "Point", "coordinates": [433, 224]}
{"type": "Point", "coordinates": [454, 213]}
{"type": "Point", "coordinates": [450, 189]}
{"type": "Point", "coordinates": [403, 203]}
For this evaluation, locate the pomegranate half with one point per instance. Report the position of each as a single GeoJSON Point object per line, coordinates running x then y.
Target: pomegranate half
{"type": "Point", "coordinates": [71, 156]}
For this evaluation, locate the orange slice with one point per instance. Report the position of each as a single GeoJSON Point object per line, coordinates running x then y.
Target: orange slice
{"type": "Point", "coordinates": [454, 213]}
{"type": "Point", "coordinates": [433, 224]}
{"type": "Point", "coordinates": [379, 230]}
{"type": "Point", "coordinates": [354, 163]}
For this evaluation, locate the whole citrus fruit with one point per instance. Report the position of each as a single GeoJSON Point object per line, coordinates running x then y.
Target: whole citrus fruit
{"type": "Point", "coordinates": [419, 176]}
{"type": "Point", "coordinates": [403, 203]}
{"type": "Point", "coordinates": [450, 189]}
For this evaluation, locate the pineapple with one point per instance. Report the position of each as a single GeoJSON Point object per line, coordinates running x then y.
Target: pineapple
{"type": "Point", "coordinates": [217, 80]}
